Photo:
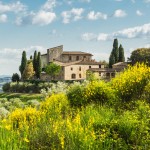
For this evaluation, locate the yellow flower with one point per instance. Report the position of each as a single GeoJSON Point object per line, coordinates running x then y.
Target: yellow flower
{"type": "Point", "coordinates": [8, 127]}
{"type": "Point", "coordinates": [26, 140]}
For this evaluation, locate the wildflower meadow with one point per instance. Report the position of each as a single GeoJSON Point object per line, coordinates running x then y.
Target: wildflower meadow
{"type": "Point", "coordinates": [93, 115]}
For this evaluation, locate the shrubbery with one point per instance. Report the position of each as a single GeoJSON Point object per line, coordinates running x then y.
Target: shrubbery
{"type": "Point", "coordinates": [91, 92]}
{"type": "Point", "coordinates": [131, 83]}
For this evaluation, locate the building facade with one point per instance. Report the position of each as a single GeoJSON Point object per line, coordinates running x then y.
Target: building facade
{"type": "Point", "coordinates": [74, 64]}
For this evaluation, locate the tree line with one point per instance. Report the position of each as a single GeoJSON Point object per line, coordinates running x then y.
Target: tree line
{"type": "Point", "coordinates": [117, 54]}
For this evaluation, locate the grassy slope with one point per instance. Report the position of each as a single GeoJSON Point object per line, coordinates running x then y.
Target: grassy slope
{"type": "Point", "coordinates": [22, 96]}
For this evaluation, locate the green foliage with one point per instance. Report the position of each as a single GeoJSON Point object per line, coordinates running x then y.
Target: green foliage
{"type": "Point", "coordinates": [117, 54]}
{"type": "Point", "coordinates": [6, 87]}
{"type": "Point", "coordinates": [29, 71]}
{"type": "Point", "coordinates": [140, 55]}
{"type": "Point", "coordinates": [15, 77]}
{"type": "Point", "coordinates": [38, 66]}
{"type": "Point", "coordinates": [115, 50]}
{"type": "Point", "coordinates": [95, 125]}
{"type": "Point", "coordinates": [53, 69]}
{"type": "Point", "coordinates": [90, 76]}
{"type": "Point", "coordinates": [92, 92]}
{"type": "Point", "coordinates": [121, 54]}
{"type": "Point", "coordinates": [111, 60]}
{"type": "Point", "coordinates": [146, 93]}
{"type": "Point", "coordinates": [35, 60]}
{"type": "Point", "coordinates": [23, 63]}
{"type": "Point", "coordinates": [75, 95]}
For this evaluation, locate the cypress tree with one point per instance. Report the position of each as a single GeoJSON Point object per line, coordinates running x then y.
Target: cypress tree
{"type": "Point", "coordinates": [38, 67]}
{"type": "Point", "coordinates": [111, 60]}
{"type": "Point", "coordinates": [35, 61]}
{"type": "Point", "coordinates": [121, 54]}
{"type": "Point", "coordinates": [23, 63]}
{"type": "Point", "coordinates": [115, 50]}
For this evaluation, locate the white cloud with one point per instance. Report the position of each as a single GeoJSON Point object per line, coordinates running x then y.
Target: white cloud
{"type": "Point", "coordinates": [118, 0]}
{"type": "Point", "coordinates": [44, 18]}
{"type": "Point", "coordinates": [129, 33]}
{"type": "Point", "coordinates": [49, 5]}
{"type": "Point", "coordinates": [101, 56]}
{"type": "Point", "coordinates": [103, 37]}
{"type": "Point", "coordinates": [119, 13]}
{"type": "Point", "coordinates": [3, 18]}
{"type": "Point", "coordinates": [12, 7]}
{"type": "Point", "coordinates": [147, 46]}
{"type": "Point", "coordinates": [87, 1]}
{"type": "Point", "coordinates": [88, 36]}
{"type": "Point", "coordinates": [96, 15]}
{"type": "Point", "coordinates": [11, 58]}
{"type": "Point", "coordinates": [139, 13]}
{"type": "Point", "coordinates": [74, 14]}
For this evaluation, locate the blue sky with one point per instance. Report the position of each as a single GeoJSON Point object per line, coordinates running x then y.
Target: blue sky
{"type": "Point", "coordinates": [79, 25]}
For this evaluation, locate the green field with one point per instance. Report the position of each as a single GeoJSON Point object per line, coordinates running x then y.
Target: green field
{"type": "Point", "coordinates": [23, 97]}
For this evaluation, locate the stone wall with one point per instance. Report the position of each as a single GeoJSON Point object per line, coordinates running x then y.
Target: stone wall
{"type": "Point", "coordinates": [72, 58]}
{"type": "Point", "coordinates": [44, 60]}
{"type": "Point", "coordinates": [54, 53]}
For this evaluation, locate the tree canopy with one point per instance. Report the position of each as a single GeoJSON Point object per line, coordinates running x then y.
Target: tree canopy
{"type": "Point", "coordinates": [38, 66]}
{"type": "Point", "coordinates": [121, 54]}
{"type": "Point", "coordinates": [28, 73]}
{"type": "Point", "coordinates": [15, 77]}
{"type": "Point", "coordinates": [140, 55]}
{"type": "Point", "coordinates": [23, 63]}
{"type": "Point", "coordinates": [53, 69]}
{"type": "Point", "coordinates": [117, 54]}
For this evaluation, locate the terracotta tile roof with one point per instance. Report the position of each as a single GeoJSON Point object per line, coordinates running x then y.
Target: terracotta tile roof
{"type": "Point", "coordinates": [76, 53]}
{"type": "Point", "coordinates": [66, 64]}
{"type": "Point", "coordinates": [90, 63]}
{"type": "Point", "coordinates": [105, 69]}
{"type": "Point", "coordinates": [120, 64]}
{"type": "Point", "coordinates": [80, 62]}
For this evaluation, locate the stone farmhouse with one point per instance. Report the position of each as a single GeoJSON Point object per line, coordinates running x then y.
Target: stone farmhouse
{"type": "Point", "coordinates": [75, 64]}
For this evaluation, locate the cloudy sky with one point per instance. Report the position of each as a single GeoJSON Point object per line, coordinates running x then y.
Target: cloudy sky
{"type": "Point", "coordinates": [79, 25]}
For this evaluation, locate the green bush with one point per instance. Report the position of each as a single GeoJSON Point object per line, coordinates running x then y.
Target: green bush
{"type": "Point", "coordinates": [6, 87]}
{"type": "Point", "coordinates": [94, 91]}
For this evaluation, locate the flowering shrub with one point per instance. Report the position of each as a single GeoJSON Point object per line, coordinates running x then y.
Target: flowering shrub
{"type": "Point", "coordinates": [131, 83]}
{"type": "Point", "coordinates": [24, 117]}
{"type": "Point", "coordinates": [94, 91]}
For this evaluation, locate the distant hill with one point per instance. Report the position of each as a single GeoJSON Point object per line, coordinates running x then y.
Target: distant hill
{"type": "Point", "coordinates": [3, 76]}
{"type": "Point", "coordinates": [4, 79]}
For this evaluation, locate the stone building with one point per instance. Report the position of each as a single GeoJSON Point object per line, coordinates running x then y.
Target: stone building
{"type": "Point", "coordinates": [74, 64]}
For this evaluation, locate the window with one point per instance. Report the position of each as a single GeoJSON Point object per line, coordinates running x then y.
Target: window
{"type": "Point", "coordinates": [107, 74]}
{"type": "Point", "coordinates": [70, 58]}
{"type": "Point", "coordinates": [100, 66]}
{"type": "Point", "coordinates": [80, 76]}
{"type": "Point", "coordinates": [71, 68]}
{"type": "Point", "coordinates": [79, 68]}
{"type": "Point", "coordinates": [113, 74]}
{"type": "Point", "coordinates": [77, 58]}
{"type": "Point", "coordinates": [84, 57]}
{"type": "Point", "coordinates": [73, 76]}
{"type": "Point", "coordinates": [89, 66]}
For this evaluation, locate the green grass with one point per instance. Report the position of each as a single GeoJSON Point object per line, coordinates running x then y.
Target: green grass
{"type": "Point", "coordinates": [22, 96]}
